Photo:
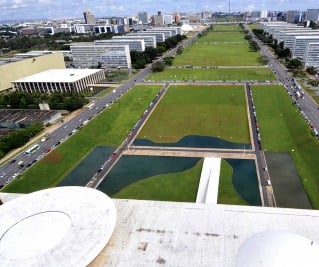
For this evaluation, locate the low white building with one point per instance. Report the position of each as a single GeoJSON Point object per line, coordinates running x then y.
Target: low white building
{"type": "Point", "coordinates": [60, 80]}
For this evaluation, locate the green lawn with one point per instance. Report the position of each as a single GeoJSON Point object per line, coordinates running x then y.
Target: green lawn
{"type": "Point", "coordinates": [222, 37]}
{"type": "Point", "coordinates": [218, 111]}
{"type": "Point", "coordinates": [227, 28]}
{"type": "Point", "coordinates": [224, 46]}
{"type": "Point", "coordinates": [109, 128]}
{"type": "Point", "coordinates": [284, 130]}
{"type": "Point", "coordinates": [105, 91]}
{"type": "Point", "coordinates": [226, 191]}
{"type": "Point", "coordinates": [253, 26]}
{"type": "Point", "coordinates": [213, 74]}
{"type": "Point", "coordinates": [180, 186]}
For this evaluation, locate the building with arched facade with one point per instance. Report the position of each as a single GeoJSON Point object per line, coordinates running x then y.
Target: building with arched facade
{"type": "Point", "coordinates": [60, 80]}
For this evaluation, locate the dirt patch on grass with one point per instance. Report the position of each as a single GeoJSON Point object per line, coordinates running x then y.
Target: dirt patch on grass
{"type": "Point", "coordinates": [53, 157]}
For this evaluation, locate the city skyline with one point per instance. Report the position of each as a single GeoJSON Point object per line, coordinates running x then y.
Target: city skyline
{"type": "Point", "coordinates": [58, 9]}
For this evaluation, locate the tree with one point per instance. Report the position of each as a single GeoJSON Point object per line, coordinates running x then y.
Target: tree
{"type": "Point", "coordinates": [168, 61]}
{"type": "Point", "coordinates": [294, 64]}
{"type": "Point", "coordinates": [180, 50]}
{"type": "Point", "coordinates": [150, 52]}
{"type": "Point", "coordinates": [311, 70]}
{"type": "Point", "coordinates": [158, 66]}
{"type": "Point", "coordinates": [160, 48]}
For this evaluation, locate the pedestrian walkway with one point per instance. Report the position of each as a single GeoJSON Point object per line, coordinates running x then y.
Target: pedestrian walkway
{"type": "Point", "coordinates": [209, 181]}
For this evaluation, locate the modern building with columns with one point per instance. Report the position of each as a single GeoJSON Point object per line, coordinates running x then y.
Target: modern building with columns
{"type": "Point", "coordinates": [60, 80]}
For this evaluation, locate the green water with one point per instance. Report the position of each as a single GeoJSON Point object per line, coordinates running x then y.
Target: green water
{"type": "Point", "coordinates": [130, 169]}
{"type": "Point", "coordinates": [85, 170]}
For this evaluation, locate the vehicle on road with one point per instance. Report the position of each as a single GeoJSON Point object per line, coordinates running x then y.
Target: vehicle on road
{"type": "Point", "coordinates": [90, 106]}
{"type": "Point", "coordinates": [32, 149]}
{"type": "Point", "coordinates": [21, 164]}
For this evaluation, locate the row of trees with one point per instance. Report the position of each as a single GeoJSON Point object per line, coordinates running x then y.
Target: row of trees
{"type": "Point", "coordinates": [140, 59]}
{"type": "Point", "coordinates": [252, 44]}
{"type": "Point", "coordinates": [293, 64]}
{"type": "Point", "coordinates": [51, 42]}
{"type": "Point", "coordinates": [18, 138]}
{"type": "Point", "coordinates": [23, 100]}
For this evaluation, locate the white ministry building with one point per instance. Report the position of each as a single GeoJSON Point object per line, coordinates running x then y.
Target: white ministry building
{"type": "Point", "coordinates": [87, 55]}
{"type": "Point", "coordinates": [289, 37]}
{"type": "Point", "coordinates": [60, 80]}
{"type": "Point", "coordinates": [133, 44]}
{"type": "Point", "coordinates": [150, 41]}
{"type": "Point", "coordinates": [300, 44]}
{"type": "Point", "coordinates": [279, 34]}
{"type": "Point", "coordinates": [159, 36]}
{"type": "Point", "coordinates": [311, 58]}
{"type": "Point", "coordinates": [167, 33]}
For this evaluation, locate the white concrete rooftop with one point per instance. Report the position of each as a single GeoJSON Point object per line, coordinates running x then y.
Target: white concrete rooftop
{"type": "Point", "coordinates": [59, 75]}
{"type": "Point", "coordinates": [155, 233]}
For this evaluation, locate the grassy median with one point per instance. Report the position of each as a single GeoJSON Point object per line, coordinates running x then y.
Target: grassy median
{"type": "Point", "coordinates": [223, 46]}
{"type": "Point", "coordinates": [283, 129]}
{"type": "Point", "coordinates": [218, 111]}
{"type": "Point", "coordinates": [109, 128]}
{"type": "Point", "coordinates": [213, 74]}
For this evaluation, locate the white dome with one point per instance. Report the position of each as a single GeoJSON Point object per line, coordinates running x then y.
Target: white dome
{"type": "Point", "coordinates": [187, 28]}
{"type": "Point", "coordinates": [69, 225]}
{"type": "Point", "coordinates": [276, 249]}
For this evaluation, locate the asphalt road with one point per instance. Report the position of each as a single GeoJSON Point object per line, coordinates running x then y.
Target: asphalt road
{"type": "Point", "coordinates": [309, 109]}
{"type": "Point", "coordinates": [306, 105]}
{"type": "Point", "coordinates": [11, 169]}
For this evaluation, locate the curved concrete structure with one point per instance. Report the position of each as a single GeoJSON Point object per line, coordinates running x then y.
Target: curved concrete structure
{"type": "Point", "coordinates": [278, 248]}
{"type": "Point", "coordinates": [63, 226]}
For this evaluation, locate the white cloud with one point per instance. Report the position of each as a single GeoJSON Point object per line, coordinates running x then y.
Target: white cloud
{"type": "Point", "coordinates": [15, 9]}
{"type": "Point", "coordinates": [46, 2]}
{"type": "Point", "coordinates": [250, 7]}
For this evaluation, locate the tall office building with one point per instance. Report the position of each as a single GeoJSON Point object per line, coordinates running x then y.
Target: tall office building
{"type": "Point", "coordinates": [88, 17]}
{"type": "Point", "coordinates": [294, 16]}
{"type": "Point", "coordinates": [313, 14]}
{"type": "Point", "coordinates": [168, 19]}
{"type": "Point", "coordinates": [143, 17]}
{"type": "Point", "coordinates": [159, 19]}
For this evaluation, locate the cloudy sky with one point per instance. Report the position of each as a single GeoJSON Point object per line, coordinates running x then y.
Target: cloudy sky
{"type": "Point", "coordinates": [40, 9]}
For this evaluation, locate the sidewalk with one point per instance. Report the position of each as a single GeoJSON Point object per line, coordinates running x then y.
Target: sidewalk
{"type": "Point", "coordinates": [209, 181]}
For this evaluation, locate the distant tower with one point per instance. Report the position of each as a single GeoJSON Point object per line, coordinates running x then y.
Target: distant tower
{"type": "Point", "coordinates": [143, 17]}
{"type": "Point", "coordinates": [159, 19]}
{"type": "Point", "coordinates": [89, 17]}
{"type": "Point", "coordinates": [229, 7]}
